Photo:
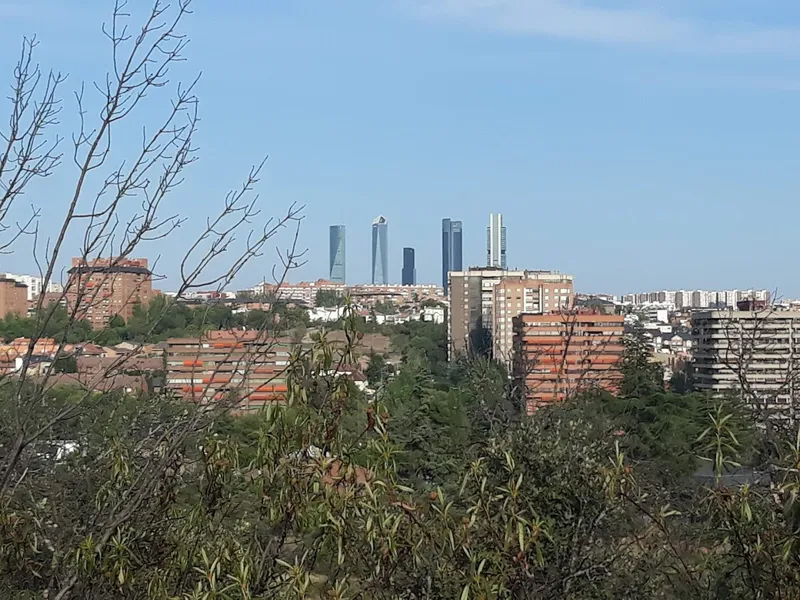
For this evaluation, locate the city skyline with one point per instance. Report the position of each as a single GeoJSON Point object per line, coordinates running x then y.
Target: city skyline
{"type": "Point", "coordinates": [451, 235]}
{"type": "Point", "coordinates": [665, 110]}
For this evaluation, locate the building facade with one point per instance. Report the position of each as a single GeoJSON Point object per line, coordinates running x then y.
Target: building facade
{"type": "Point", "coordinates": [537, 292]}
{"type": "Point", "coordinates": [684, 299]}
{"type": "Point", "coordinates": [470, 320]}
{"type": "Point", "coordinates": [304, 292]}
{"type": "Point", "coordinates": [398, 294]}
{"type": "Point", "coordinates": [409, 274]}
{"type": "Point", "coordinates": [560, 354]}
{"type": "Point", "coordinates": [496, 242]}
{"type": "Point", "coordinates": [34, 283]}
{"type": "Point", "coordinates": [337, 271]}
{"type": "Point", "coordinates": [102, 288]}
{"type": "Point", "coordinates": [13, 298]}
{"type": "Point", "coordinates": [247, 366]}
{"type": "Point", "coordinates": [452, 249]}
{"type": "Point", "coordinates": [755, 354]}
{"type": "Point", "coordinates": [380, 251]}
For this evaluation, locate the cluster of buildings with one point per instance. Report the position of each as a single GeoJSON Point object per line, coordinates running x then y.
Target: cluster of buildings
{"type": "Point", "coordinates": [128, 367]}
{"type": "Point", "coordinates": [680, 299]}
{"type": "Point", "coordinates": [553, 342]}
{"type": "Point", "coordinates": [529, 321]}
{"type": "Point", "coordinates": [452, 251]}
{"type": "Point", "coordinates": [337, 267]}
{"type": "Point", "coordinates": [305, 292]}
{"type": "Point", "coordinates": [750, 349]}
{"type": "Point", "coordinates": [753, 350]}
{"type": "Point", "coordinates": [100, 289]}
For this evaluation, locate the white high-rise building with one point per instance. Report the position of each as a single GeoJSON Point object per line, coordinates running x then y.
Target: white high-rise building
{"type": "Point", "coordinates": [496, 242]}
{"type": "Point", "coordinates": [752, 353]}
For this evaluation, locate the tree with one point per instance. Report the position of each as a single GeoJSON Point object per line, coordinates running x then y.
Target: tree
{"type": "Point", "coordinates": [385, 308]}
{"type": "Point", "coordinates": [65, 364]}
{"type": "Point", "coordinates": [431, 426]}
{"type": "Point", "coordinates": [640, 376]}
{"type": "Point", "coordinates": [430, 303]}
{"type": "Point", "coordinates": [377, 370]}
{"type": "Point", "coordinates": [113, 209]}
{"type": "Point", "coordinates": [329, 298]}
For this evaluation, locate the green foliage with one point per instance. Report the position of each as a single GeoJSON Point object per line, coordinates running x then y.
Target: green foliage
{"type": "Point", "coordinates": [424, 341]}
{"type": "Point", "coordinates": [640, 376]}
{"type": "Point", "coordinates": [329, 298]}
{"type": "Point", "coordinates": [377, 371]}
{"type": "Point", "coordinates": [682, 381]}
{"type": "Point", "coordinates": [661, 431]}
{"type": "Point", "coordinates": [425, 491]}
{"type": "Point", "coordinates": [430, 302]}
{"type": "Point", "coordinates": [53, 322]}
{"type": "Point", "coordinates": [65, 364]}
{"type": "Point", "coordinates": [385, 308]}
{"type": "Point", "coordinates": [159, 320]}
{"type": "Point", "coordinates": [430, 426]}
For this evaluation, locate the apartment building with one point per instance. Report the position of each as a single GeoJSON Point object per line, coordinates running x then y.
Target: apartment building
{"type": "Point", "coordinates": [248, 364]}
{"type": "Point", "coordinates": [560, 354]}
{"type": "Point", "coordinates": [103, 288]}
{"type": "Point", "coordinates": [13, 298]}
{"type": "Point", "coordinates": [755, 353]}
{"type": "Point", "coordinates": [471, 318]}
{"type": "Point", "coordinates": [398, 294]}
{"type": "Point", "coordinates": [536, 293]}
{"type": "Point", "coordinates": [304, 292]}
{"type": "Point", "coordinates": [35, 284]}
{"type": "Point", "coordinates": [682, 299]}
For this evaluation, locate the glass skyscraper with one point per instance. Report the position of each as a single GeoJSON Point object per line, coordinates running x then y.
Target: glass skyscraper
{"type": "Point", "coordinates": [409, 275]}
{"type": "Point", "coordinates": [451, 249]}
{"type": "Point", "coordinates": [380, 251]}
{"type": "Point", "coordinates": [337, 273]}
{"type": "Point", "coordinates": [496, 242]}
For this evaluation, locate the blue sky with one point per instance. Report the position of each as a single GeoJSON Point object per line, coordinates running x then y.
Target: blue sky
{"type": "Point", "coordinates": [636, 144]}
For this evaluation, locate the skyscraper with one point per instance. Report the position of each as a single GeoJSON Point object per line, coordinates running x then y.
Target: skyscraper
{"type": "Point", "coordinates": [409, 272]}
{"type": "Point", "coordinates": [496, 242]}
{"type": "Point", "coordinates": [337, 254]}
{"type": "Point", "coordinates": [380, 251]}
{"type": "Point", "coordinates": [451, 249]}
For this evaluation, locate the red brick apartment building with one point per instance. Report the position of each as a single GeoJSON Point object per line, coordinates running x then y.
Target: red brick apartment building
{"type": "Point", "coordinates": [559, 354]}
{"type": "Point", "coordinates": [536, 293]}
{"type": "Point", "coordinates": [13, 298]}
{"type": "Point", "coordinates": [249, 364]}
{"type": "Point", "coordinates": [105, 287]}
